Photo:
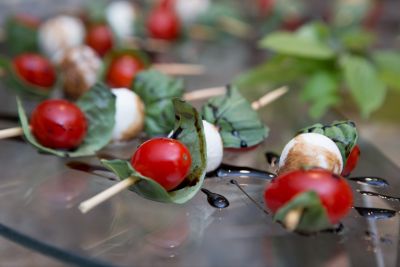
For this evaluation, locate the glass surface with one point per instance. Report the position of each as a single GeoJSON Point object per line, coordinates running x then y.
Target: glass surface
{"type": "Point", "coordinates": [39, 195]}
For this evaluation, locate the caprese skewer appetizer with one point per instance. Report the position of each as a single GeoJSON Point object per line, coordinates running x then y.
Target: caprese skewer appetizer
{"type": "Point", "coordinates": [67, 129]}
{"type": "Point", "coordinates": [29, 73]}
{"type": "Point", "coordinates": [155, 151]}
{"type": "Point", "coordinates": [309, 194]}
{"type": "Point", "coordinates": [163, 169]}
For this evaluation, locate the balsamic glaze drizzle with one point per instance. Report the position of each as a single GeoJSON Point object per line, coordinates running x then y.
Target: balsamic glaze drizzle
{"type": "Point", "coordinates": [272, 158]}
{"type": "Point", "coordinates": [215, 200]}
{"type": "Point", "coordinates": [375, 213]}
{"type": "Point", "coordinates": [370, 180]}
{"type": "Point", "coordinates": [226, 170]}
{"type": "Point", "coordinates": [248, 196]}
{"type": "Point", "coordinates": [374, 194]}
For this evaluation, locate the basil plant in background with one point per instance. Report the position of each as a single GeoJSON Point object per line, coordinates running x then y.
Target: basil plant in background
{"type": "Point", "coordinates": [328, 63]}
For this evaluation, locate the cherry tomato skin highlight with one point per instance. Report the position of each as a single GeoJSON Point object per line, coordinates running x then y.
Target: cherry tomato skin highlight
{"type": "Point", "coordinates": [167, 161]}
{"type": "Point", "coordinates": [100, 38]}
{"type": "Point", "coordinates": [58, 124]}
{"type": "Point", "coordinates": [123, 70]}
{"type": "Point", "coordinates": [334, 192]}
{"type": "Point", "coordinates": [35, 69]}
{"type": "Point", "coordinates": [351, 161]}
{"type": "Point", "coordinates": [163, 22]}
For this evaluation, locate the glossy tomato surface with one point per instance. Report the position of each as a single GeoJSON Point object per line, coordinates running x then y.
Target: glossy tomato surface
{"type": "Point", "coordinates": [351, 161]}
{"type": "Point", "coordinates": [163, 22]}
{"type": "Point", "coordinates": [58, 123]}
{"type": "Point", "coordinates": [35, 69]}
{"type": "Point", "coordinates": [100, 38]}
{"type": "Point", "coordinates": [167, 161]}
{"type": "Point", "coordinates": [123, 70]}
{"type": "Point", "coordinates": [333, 190]}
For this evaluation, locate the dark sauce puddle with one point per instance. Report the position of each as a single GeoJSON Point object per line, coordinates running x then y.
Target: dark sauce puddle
{"type": "Point", "coordinates": [216, 200]}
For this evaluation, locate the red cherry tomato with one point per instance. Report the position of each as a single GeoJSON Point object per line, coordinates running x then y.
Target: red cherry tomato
{"type": "Point", "coordinates": [58, 123]}
{"type": "Point", "coordinates": [100, 38]}
{"type": "Point", "coordinates": [333, 190]}
{"type": "Point", "coordinates": [351, 161]}
{"type": "Point", "coordinates": [123, 70]}
{"type": "Point", "coordinates": [28, 20]}
{"type": "Point", "coordinates": [266, 6]}
{"type": "Point", "coordinates": [35, 69]}
{"type": "Point", "coordinates": [163, 22]}
{"type": "Point", "coordinates": [167, 161]}
{"type": "Point", "coordinates": [374, 15]}
{"type": "Point", "coordinates": [293, 23]}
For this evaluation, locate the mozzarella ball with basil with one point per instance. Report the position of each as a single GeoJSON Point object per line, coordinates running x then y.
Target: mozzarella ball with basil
{"type": "Point", "coordinates": [190, 10]}
{"type": "Point", "coordinates": [215, 147]}
{"type": "Point", "coordinates": [309, 150]}
{"type": "Point", "coordinates": [79, 67]}
{"type": "Point", "coordinates": [121, 18]}
{"type": "Point", "coordinates": [60, 33]}
{"type": "Point", "coordinates": [129, 115]}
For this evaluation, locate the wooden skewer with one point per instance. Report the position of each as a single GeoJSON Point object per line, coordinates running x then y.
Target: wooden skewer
{"type": "Point", "coordinates": [269, 97]}
{"type": "Point", "coordinates": [126, 183]}
{"type": "Point", "coordinates": [89, 204]}
{"type": "Point", "coordinates": [204, 93]}
{"type": "Point", "coordinates": [235, 27]}
{"type": "Point", "coordinates": [179, 68]}
{"type": "Point", "coordinates": [292, 219]}
{"type": "Point", "coordinates": [11, 132]}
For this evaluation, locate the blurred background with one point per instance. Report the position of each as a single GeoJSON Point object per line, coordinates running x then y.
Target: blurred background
{"type": "Point", "coordinates": [363, 36]}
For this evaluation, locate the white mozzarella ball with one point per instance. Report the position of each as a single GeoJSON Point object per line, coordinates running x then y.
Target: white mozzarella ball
{"type": "Point", "coordinates": [129, 115]}
{"type": "Point", "coordinates": [79, 67]}
{"type": "Point", "coordinates": [215, 148]}
{"type": "Point", "coordinates": [190, 10]}
{"type": "Point", "coordinates": [60, 33]}
{"type": "Point", "coordinates": [121, 17]}
{"type": "Point", "coordinates": [310, 150]}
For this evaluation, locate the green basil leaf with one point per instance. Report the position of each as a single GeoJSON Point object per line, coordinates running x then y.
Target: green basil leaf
{"type": "Point", "coordinates": [20, 38]}
{"type": "Point", "coordinates": [361, 77]}
{"type": "Point", "coordinates": [321, 91]}
{"type": "Point", "coordinates": [238, 123]}
{"type": "Point", "coordinates": [18, 86]}
{"type": "Point", "coordinates": [388, 64]}
{"type": "Point", "coordinates": [98, 105]}
{"type": "Point", "coordinates": [157, 91]}
{"type": "Point", "coordinates": [294, 45]}
{"type": "Point", "coordinates": [188, 130]}
{"type": "Point", "coordinates": [343, 133]}
{"type": "Point", "coordinates": [314, 217]}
